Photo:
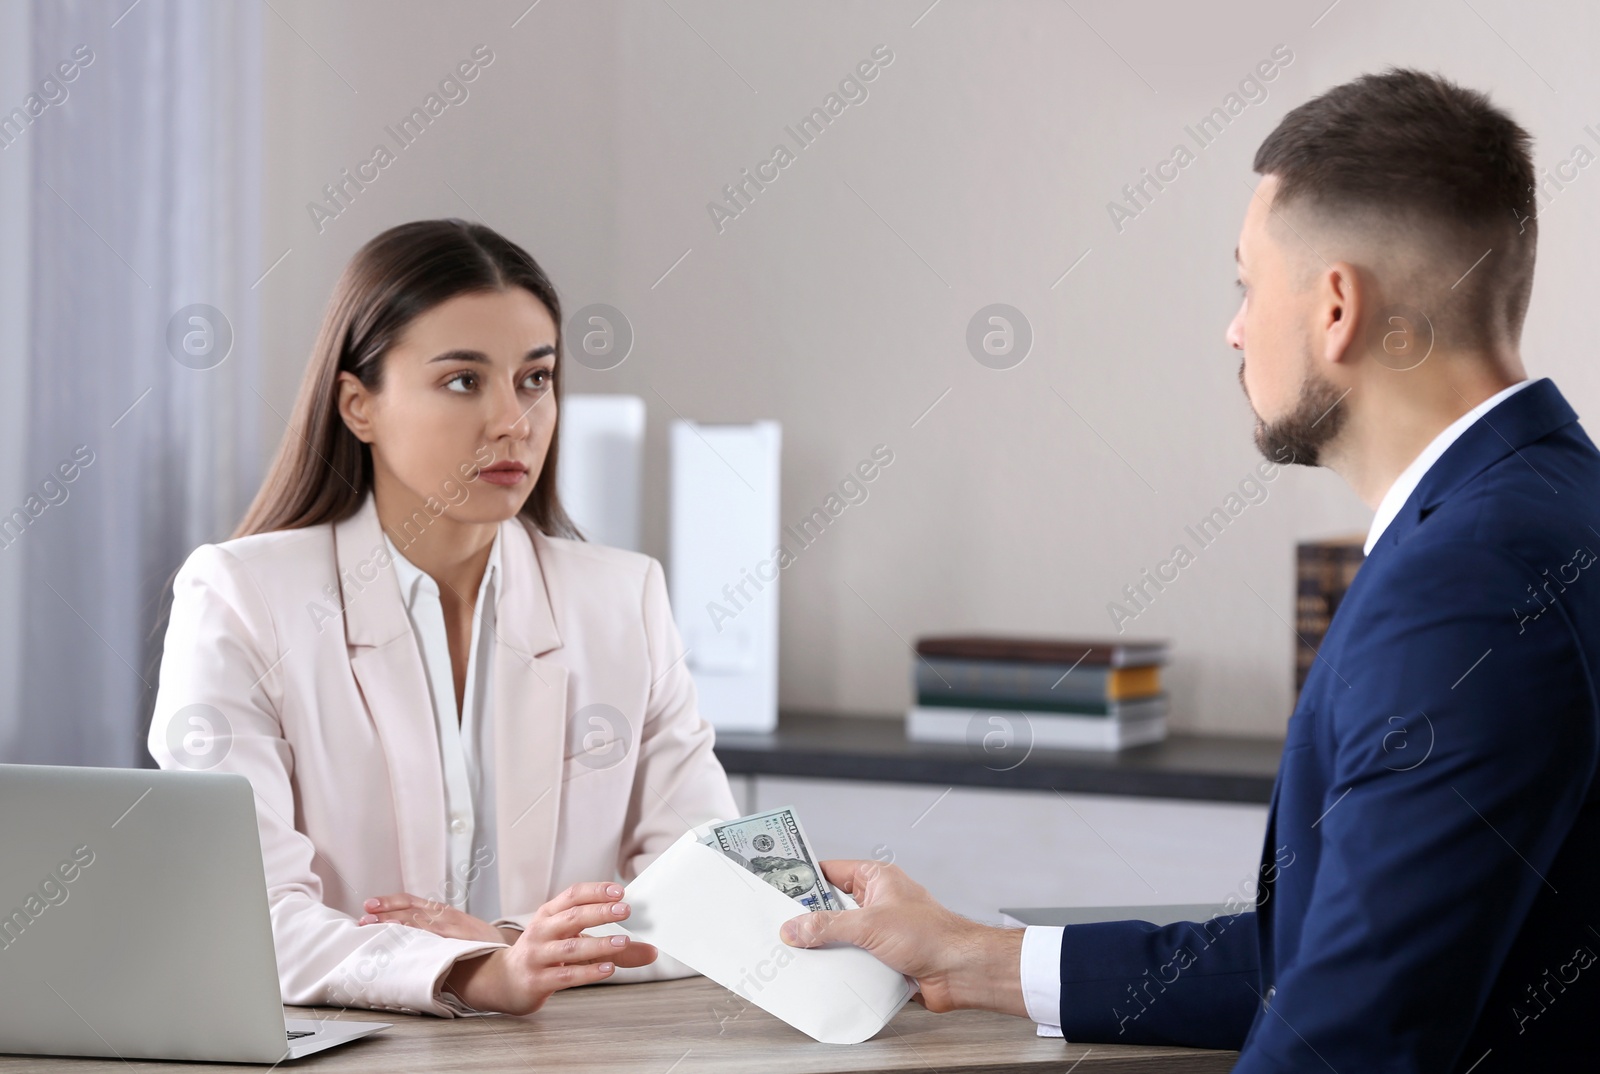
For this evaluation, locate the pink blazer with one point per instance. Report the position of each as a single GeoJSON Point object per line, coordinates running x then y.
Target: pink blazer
{"type": "Point", "coordinates": [329, 717]}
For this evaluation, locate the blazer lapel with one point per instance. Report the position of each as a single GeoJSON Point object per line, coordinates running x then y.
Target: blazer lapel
{"type": "Point", "coordinates": [388, 667]}
{"type": "Point", "coordinates": [530, 718]}
{"type": "Point", "coordinates": [1529, 415]}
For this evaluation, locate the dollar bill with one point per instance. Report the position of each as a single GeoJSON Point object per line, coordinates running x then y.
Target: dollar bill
{"type": "Point", "coordinates": [773, 846]}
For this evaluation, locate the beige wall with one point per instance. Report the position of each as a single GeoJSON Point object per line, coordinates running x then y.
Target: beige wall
{"type": "Point", "coordinates": [977, 171]}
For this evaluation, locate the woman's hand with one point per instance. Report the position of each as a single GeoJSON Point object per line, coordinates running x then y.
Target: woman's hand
{"type": "Point", "coordinates": [439, 918]}
{"type": "Point", "coordinates": [551, 954]}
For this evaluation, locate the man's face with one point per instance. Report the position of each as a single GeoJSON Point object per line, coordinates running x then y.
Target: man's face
{"type": "Point", "coordinates": [1274, 331]}
{"type": "Point", "coordinates": [793, 878]}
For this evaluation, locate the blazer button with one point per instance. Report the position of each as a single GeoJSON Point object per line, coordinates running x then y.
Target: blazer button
{"type": "Point", "coordinates": [1266, 1000]}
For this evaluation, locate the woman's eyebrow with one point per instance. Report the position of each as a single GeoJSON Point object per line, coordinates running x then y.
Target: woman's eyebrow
{"type": "Point", "coordinates": [483, 359]}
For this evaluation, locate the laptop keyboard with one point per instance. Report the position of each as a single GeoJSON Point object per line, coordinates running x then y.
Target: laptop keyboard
{"type": "Point", "coordinates": [296, 1034]}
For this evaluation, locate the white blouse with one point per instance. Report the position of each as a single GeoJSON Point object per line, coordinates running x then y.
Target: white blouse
{"type": "Point", "coordinates": [466, 739]}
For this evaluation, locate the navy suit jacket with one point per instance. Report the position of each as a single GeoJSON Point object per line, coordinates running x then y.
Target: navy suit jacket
{"type": "Point", "coordinates": [1429, 891]}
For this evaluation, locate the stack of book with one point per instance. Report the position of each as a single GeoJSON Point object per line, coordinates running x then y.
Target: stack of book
{"type": "Point", "coordinates": [1066, 694]}
{"type": "Point", "coordinates": [1324, 571]}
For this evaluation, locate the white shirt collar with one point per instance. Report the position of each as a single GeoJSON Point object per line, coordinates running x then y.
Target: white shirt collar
{"type": "Point", "coordinates": [1412, 475]}
{"type": "Point", "coordinates": [413, 578]}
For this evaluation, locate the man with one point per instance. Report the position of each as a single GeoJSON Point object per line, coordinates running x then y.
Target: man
{"type": "Point", "coordinates": [1429, 895]}
{"type": "Point", "coordinates": [791, 876]}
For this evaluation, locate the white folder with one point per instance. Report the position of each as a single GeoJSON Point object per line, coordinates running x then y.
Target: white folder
{"type": "Point", "coordinates": [723, 571]}
{"type": "Point", "coordinates": [714, 916]}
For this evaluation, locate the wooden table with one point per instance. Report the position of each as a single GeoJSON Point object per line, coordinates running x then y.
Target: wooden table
{"type": "Point", "coordinates": [689, 1026]}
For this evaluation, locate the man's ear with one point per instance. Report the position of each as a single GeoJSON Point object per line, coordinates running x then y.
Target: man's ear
{"type": "Point", "coordinates": [1340, 307]}
{"type": "Point", "coordinates": [355, 403]}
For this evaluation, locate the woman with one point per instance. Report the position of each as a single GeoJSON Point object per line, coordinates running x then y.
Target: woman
{"type": "Point", "coordinates": [462, 723]}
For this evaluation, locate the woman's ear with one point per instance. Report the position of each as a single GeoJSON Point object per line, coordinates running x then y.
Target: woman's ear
{"type": "Point", "coordinates": [355, 403]}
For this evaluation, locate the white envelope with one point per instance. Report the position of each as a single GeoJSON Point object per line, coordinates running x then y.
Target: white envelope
{"type": "Point", "coordinates": [721, 920]}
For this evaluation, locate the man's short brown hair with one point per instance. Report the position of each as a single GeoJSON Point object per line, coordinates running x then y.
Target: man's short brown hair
{"type": "Point", "coordinates": [1418, 151]}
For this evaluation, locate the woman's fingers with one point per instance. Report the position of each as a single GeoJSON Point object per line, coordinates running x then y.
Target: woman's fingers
{"type": "Point", "coordinates": [570, 975]}
{"type": "Point", "coordinates": [441, 919]}
{"type": "Point", "coordinates": [623, 950]}
{"type": "Point", "coordinates": [402, 900]}
{"type": "Point", "coordinates": [554, 952]}
{"type": "Point", "coordinates": [637, 953]}
{"type": "Point", "coordinates": [581, 894]}
{"type": "Point", "coordinates": [587, 949]}
{"type": "Point", "coordinates": [391, 916]}
{"type": "Point", "coordinates": [574, 919]}
{"type": "Point", "coordinates": [439, 925]}
{"type": "Point", "coordinates": [404, 908]}
{"type": "Point", "coordinates": [407, 916]}
{"type": "Point", "coordinates": [603, 958]}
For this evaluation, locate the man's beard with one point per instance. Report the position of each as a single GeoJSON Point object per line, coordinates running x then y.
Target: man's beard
{"type": "Point", "coordinates": [1298, 437]}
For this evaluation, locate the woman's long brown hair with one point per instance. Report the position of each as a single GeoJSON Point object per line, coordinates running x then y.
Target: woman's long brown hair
{"type": "Point", "coordinates": [322, 472]}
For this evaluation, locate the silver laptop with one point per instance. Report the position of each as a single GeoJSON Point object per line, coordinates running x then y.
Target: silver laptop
{"type": "Point", "coordinates": [133, 920]}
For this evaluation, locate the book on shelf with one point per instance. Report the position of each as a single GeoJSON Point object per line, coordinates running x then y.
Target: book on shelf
{"type": "Point", "coordinates": [1066, 652]}
{"type": "Point", "coordinates": [1100, 710]}
{"type": "Point", "coordinates": [1022, 680]}
{"type": "Point", "coordinates": [1323, 573]}
{"type": "Point", "coordinates": [1044, 730]}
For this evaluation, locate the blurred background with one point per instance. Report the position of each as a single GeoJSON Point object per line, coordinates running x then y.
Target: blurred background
{"type": "Point", "coordinates": [207, 156]}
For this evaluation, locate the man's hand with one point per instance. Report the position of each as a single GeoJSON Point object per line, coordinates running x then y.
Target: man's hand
{"type": "Point", "coordinates": [957, 963]}
{"type": "Point", "coordinates": [552, 953]}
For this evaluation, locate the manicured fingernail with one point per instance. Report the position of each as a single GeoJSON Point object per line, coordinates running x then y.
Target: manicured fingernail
{"type": "Point", "coordinates": [606, 967]}
{"type": "Point", "coordinates": [788, 932]}
{"type": "Point", "coordinates": [372, 904]}
{"type": "Point", "coordinates": [614, 891]}
{"type": "Point", "coordinates": [619, 908]}
{"type": "Point", "coordinates": [619, 941]}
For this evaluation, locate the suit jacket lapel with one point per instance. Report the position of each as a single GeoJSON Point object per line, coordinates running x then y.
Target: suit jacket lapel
{"type": "Point", "coordinates": [1529, 415]}
{"type": "Point", "coordinates": [530, 717]}
{"type": "Point", "coordinates": [388, 667]}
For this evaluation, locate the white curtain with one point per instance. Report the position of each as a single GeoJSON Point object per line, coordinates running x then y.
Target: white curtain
{"type": "Point", "coordinates": [142, 255]}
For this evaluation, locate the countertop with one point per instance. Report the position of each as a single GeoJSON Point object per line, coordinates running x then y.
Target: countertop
{"type": "Point", "coordinates": [1213, 768]}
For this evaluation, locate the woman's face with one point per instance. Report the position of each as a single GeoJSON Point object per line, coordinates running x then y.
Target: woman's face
{"type": "Point", "coordinates": [470, 386]}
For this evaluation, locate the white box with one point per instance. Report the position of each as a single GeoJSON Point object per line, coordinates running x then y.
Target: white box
{"type": "Point", "coordinates": [601, 462]}
{"type": "Point", "coordinates": [722, 571]}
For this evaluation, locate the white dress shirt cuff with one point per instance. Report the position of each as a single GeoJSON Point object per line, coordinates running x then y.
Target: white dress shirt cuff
{"type": "Point", "coordinates": [1041, 977]}
{"type": "Point", "coordinates": [521, 924]}
{"type": "Point", "coordinates": [452, 1001]}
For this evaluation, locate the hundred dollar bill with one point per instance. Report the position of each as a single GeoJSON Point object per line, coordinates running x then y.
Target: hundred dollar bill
{"type": "Point", "coordinates": [773, 846]}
